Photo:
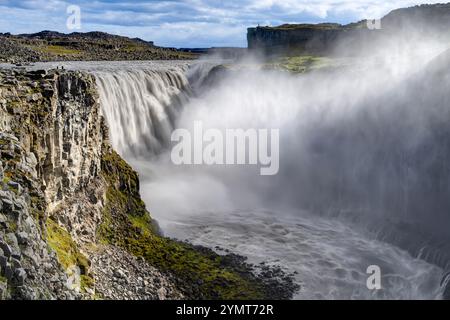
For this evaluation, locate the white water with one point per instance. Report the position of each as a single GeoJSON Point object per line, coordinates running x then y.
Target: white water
{"type": "Point", "coordinates": [220, 206]}
{"type": "Point", "coordinates": [329, 257]}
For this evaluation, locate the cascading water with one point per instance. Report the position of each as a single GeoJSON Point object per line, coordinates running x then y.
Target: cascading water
{"type": "Point", "coordinates": [356, 155]}
{"type": "Point", "coordinates": [141, 106]}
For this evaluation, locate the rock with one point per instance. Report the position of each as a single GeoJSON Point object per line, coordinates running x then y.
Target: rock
{"type": "Point", "coordinates": [6, 249]}
{"type": "Point", "coordinates": [119, 274]}
{"type": "Point", "coordinates": [4, 195]}
{"type": "Point", "coordinates": [7, 205]}
{"type": "Point", "coordinates": [11, 239]}
{"type": "Point", "coordinates": [17, 215]}
{"type": "Point", "coordinates": [15, 186]}
{"type": "Point", "coordinates": [20, 276]}
{"type": "Point", "coordinates": [31, 159]}
{"type": "Point", "coordinates": [34, 97]}
{"type": "Point", "coordinates": [16, 263]}
{"type": "Point", "coordinates": [8, 272]}
{"type": "Point", "coordinates": [22, 238]}
{"type": "Point", "coordinates": [3, 262]}
{"type": "Point", "coordinates": [38, 74]}
{"type": "Point", "coordinates": [3, 290]}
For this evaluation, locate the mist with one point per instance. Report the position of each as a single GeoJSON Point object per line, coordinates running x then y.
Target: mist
{"type": "Point", "coordinates": [367, 142]}
{"type": "Point", "coordinates": [364, 140]}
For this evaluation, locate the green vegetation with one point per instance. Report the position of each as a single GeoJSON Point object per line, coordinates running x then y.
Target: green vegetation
{"type": "Point", "coordinates": [3, 279]}
{"type": "Point", "coordinates": [7, 176]}
{"type": "Point", "coordinates": [67, 251]}
{"type": "Point", "coordinates": [57, 50]}
{"type": "Point", "coordinates": [201, 273]}
{"type": "Point", "coordinates": [300, 64]}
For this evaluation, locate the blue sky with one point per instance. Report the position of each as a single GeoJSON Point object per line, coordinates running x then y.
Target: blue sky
{"type": "Point", "coordinates": [186, 23]}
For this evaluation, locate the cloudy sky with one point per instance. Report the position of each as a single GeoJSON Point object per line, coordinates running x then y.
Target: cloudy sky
{"type": "Point", "coordinates": [186, 23]}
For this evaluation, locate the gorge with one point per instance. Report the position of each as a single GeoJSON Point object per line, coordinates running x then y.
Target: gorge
{"type": "Point", "coordinates": [92, 205]}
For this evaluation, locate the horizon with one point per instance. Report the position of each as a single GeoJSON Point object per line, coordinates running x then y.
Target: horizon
{"type": "Point", "coordinates": [187, 23]}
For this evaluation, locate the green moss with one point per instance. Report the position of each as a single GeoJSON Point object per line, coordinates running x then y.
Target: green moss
{"type": "Point", "coordinates": [67, 251]}
{"type": "Point", "coordinates": [126, 223]}
{"type": "Point", "coordinates": [13, 226]}
{"type": "Point", "coordinates": [58, 50]}
{"type": "Point", "coordinates": [3, 279]}
{"type": "Point", "coordinates": [86, 282]}
{"type": "Point", "coordinates": [61, 242]}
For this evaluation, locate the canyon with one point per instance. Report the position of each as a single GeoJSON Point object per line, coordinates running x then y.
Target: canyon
{"type": "Point", "coordinates": [93, 207]}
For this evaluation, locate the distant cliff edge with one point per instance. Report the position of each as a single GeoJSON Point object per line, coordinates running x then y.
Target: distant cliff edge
{"type": "Point", "coordinates": [331, 38]}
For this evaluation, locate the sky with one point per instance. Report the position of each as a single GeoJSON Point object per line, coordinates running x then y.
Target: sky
{"type": "Point", "coordinates": [186, 23]}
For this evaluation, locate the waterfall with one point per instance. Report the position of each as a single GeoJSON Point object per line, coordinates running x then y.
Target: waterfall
{"type": "Point", "coordinates": [352, 148]}
{"type": "Point", "coordinates": [141, 105]}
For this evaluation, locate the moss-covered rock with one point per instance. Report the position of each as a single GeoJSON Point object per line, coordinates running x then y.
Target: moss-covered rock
{"type": "Point", "coordinates": [68, 253]}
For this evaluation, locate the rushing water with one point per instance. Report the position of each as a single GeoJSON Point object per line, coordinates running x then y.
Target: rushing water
{"type": "Point", "coordinates": [355, 175]}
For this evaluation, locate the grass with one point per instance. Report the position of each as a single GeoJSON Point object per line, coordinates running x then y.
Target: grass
{"type": "Point", "coordinates": [58, 50]}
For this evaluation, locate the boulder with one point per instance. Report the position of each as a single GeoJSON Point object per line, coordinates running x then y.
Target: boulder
{"type": "Point", "coordinates": [20, 276]}
{"type": "Point", "coordinates": [7, 251]}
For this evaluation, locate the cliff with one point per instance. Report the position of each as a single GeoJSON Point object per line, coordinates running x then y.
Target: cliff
{"type": "Point", "coordinates": [72, 223]}
{"type": "Point", "coordinates": [310, 39]}
{"type": "Point", "coordinates": [330, 38]}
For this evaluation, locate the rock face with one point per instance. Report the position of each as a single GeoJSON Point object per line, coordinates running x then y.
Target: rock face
{"type": "Point", "coordinates": [310, 39]}
{"type": "Point", "coordinates": [431, 21]}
